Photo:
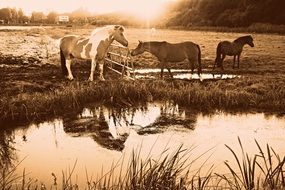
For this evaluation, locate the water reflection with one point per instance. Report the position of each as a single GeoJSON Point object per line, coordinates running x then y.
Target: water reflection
{"type": "Point", "coordinates": [110, 126]}
{"type": "Point", "coordinates": [94, 123]}
{"type": "Point", "coordinates": [182, 74]}
{"type": "Point", "coordinates": [100, 135]}
{"type": "Point", "coordinates": [171, 116]}
{"type": "Point", "coordinates": [7, 150]}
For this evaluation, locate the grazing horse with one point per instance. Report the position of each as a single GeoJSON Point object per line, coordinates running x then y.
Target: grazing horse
{"type": "Point", "coordinates": [94, 48]}
{"type": "Point", "coordinates": [168, 53]}
{"type": "Point", "coordinates": [232, 49]}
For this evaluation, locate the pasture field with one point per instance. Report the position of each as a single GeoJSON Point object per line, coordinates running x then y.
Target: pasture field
{"type": "Point", "coordinates": [33, 90]}
{"type": "Point", "coordinates": [32, 87]}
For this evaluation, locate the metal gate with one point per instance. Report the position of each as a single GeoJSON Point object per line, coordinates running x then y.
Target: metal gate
{"type": "Point", "coordinates": [119, 60]}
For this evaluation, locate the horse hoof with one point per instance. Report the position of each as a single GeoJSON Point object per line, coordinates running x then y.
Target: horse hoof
{"type": "Point", "coordinates": [69, 78]}
{"type": "Point", "coordinates": [101, 79]}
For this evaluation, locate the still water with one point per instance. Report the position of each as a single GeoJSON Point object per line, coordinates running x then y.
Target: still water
{"type": "Point", "coordinates": [100, 136]}
{"type": "Point", "coordinates": [181, 74]}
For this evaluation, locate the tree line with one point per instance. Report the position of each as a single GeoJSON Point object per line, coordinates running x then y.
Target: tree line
{"type": "Point", "coordinates": [232, 13]}
{"type": "Point", "coordinates": [185, 13]}
{"type": "Point", "coordinates": [17, 16]}
{"type": "Point", "coordinates": [12, 15]}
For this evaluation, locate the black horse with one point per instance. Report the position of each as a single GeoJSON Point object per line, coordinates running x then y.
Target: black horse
{"type": "Point", "coordinates": [232, 49]}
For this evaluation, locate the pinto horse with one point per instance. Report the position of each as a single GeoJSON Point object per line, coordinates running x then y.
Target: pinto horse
{"type": "Point", "coordinates": [169, 53]}
{"type": "Point", "coordinates": [94, 48]}
{"type": "Point", "coordinates": [232, 49]}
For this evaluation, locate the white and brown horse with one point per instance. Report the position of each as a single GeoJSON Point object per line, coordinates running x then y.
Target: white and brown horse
{"type": "Point", "coordinates": [94, 48]}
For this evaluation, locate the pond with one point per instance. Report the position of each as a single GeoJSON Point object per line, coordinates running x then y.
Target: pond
{"type": "Point", "coordinates": [181, 74]}
{"type": "Point", "coordinates": [100, 136]}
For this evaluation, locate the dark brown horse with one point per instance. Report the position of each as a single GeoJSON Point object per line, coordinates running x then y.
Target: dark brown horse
{"type": "Point", "coordinates": [232, 49]}
{"type": "Point", "coordinates": [169, 53]}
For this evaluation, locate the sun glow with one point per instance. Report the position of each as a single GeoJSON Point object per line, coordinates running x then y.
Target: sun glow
{"type": "Point", "coordinates": [146, 10]}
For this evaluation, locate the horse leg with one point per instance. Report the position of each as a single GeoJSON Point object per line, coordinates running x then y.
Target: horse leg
{"type": "Point", "coordinates": [169, 71]}
{"type": "Point", "coordinates": [93, 66]}
{"type": "Point", "coordinates": [162, 67]}
{"type": "Point", "coordinates": [218, 56]}
{"type": "Point", "coordinates": [222, 60]}
{"type": "Point", "coordinates": [68, 66]}
{"type": "Point", "coordinates": [234, 61]}
{"type": "Point", "coordinates": [238, 60]}
{"type": "Point", "coordinates": [192, 69]}
{"type": "Point", "coordinates": [217, 61]}
{"type": "Point", "coordinates": [101, 67]}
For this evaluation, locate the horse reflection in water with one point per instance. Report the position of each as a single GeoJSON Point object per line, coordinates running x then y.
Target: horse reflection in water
{"type": "Point", "coordinates": [110, 127]}
{"type": "Point", "coordinates": [95, 125]}
{"type": "Point", "coordinates": [171, 116]}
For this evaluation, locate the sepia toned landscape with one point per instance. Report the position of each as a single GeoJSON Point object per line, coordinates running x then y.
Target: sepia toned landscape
{"type": "Point", "coordinates": [221, 130]}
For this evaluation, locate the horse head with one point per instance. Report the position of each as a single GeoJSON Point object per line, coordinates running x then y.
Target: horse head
{"type": "Point", "coordinates": [139, 49]}
{"type": "Point", "coordinates": [118, 35]}
{"type": "Point", "coordinates": [250, 41]}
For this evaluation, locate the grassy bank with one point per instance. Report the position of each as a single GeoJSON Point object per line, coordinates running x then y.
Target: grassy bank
{"type": "Point", "coordinates": [263, 170]}
{"type": "Point", "coordinates": [246, 93]}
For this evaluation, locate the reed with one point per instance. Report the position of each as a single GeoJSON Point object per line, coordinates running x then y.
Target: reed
{"type": "Point", "coordinates": [265, 170]}
{"type": "Point", "coordinates": [169, 171]}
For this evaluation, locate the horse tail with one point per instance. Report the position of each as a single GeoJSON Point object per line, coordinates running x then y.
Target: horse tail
{"type": "Point", "coordinates": [63, 63]}
{"type": "Point", "coordinates": [199, 60]}
{"type": "Point", "coordinates": [218, 56]}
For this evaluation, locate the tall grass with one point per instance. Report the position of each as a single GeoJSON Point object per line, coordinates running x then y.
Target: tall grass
{"type": "Point", "coordinates": [239, 94]}
{"type": "Point", "coordinates": [165, 171]}
{"type": "Point", "coordinates": [269, 176]}
{"type": "Point", "coordinates": [265, 170]}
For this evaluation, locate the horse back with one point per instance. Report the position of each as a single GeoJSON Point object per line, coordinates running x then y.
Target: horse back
{"type": "Point", "coordinates": [229, 48]}
{"type": "Point", "coordinates": [75, 46]}
{"type": "Point", "coordinates": [182, 51]}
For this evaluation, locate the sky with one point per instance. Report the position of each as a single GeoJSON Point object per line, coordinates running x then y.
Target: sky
{"type": "Point", "coordinates": [141, 8]}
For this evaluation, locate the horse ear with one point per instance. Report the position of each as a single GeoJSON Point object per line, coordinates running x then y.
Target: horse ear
{"type": "Point", "coordinates": [140, 42]}
{"type": "Point", "coordinates": [118, 27]}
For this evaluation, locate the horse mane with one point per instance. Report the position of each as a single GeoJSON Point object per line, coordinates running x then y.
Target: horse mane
{"type": "Point", "coordinates": [108, 29]}
{"type": "Point", "coordinates": [243, 39]}
{"type": "Point", "coordinates": [99, 34]}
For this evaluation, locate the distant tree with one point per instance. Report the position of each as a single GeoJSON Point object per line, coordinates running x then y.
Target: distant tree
{"type": "Point", "coordinates": [6, 15]}
{"type": "Point", "coordinates": [80, 16]}
{"type": "Point", "coordinates": [38, 17]}
{"type": "Point", "coordinates": [232, 13]}
{"type": "Point", "coordinates": [14, 15]}
{"type": "Point", "coordinates": [51, 17]}
{"type": "Point", "coordinates": [21, 16]}
{"type": "Point", "coordinates": [81, 13]}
